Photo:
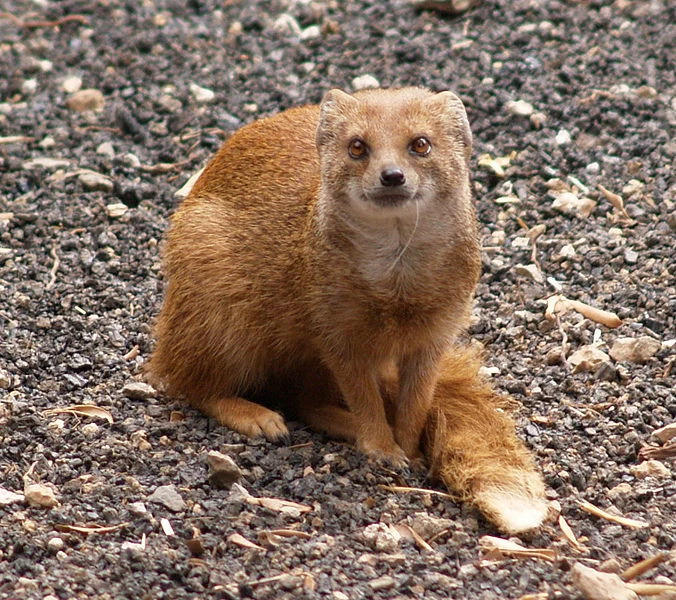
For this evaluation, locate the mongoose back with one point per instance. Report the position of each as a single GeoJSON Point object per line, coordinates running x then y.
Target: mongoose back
{"type": "Point", "coordinates": [322, 252]}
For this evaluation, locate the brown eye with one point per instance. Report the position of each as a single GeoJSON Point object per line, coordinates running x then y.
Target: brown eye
{"type": "Point", "coordinates": [357, 148]}
{"type": "Point", "coordinates": [420, 146]}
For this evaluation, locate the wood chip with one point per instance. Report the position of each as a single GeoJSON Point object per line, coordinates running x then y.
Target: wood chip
{"type": "Point", "coordinates": [407, 532]}
{"type": "Point", "coordinates": [81, 410]}
{"type": "Point", "coordinates": [652, 452]}
{"type": "Point", "coordinates": [282, 506]}
{"type": "Point", "coordinates": [399, 488]}
{"type": "Point", "coordinates": [495, 548]}
{"type": "Point", "coordinates": [650, 589]}
{"type": "Point", "coordinates": [14, 139]}
{"type": "Point", "coordinates": [569, 535]}
{"type": "Point", "coordinates": [87, 529]}
{"type": "Point", "coordinates": [240, 540]}
{"type": "Point", "coordinates": [666, 433]}
{"type": "Point", "coordinates": [598, 512]}
{"type": "Point", "coordinates": [291, 533]}
{"type": "Point", "coordinates": [643, 566]}
{"type": "Point", "coordinates": [166, 527]}
{"type": "Point", "coordinates": [560, 304]}
{"type": "Point", "coordinates": [615, 200]}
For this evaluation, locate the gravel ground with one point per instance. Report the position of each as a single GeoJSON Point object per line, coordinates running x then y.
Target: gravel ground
{"type": "Point", "coordinates": [576, 197]}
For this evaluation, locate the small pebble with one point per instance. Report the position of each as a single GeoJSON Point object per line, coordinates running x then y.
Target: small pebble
{"type": "Point", "coordinates": [90, 430]}
{"type": "Point", "coordinates": [310, 33]}
{"type": "Point", "coordinates": [650, 468]}
{"type": "Point", "coordinates": [201, 94]}
{"type": "Point", "coordinates": [620, 491]}
{"type": "Point", "coordinates": [137, 508]}
{"type": "Point", "coordinates": [364, 82]}
{"type": "Point", "coordinates": [287, 25]}
{"type": "Point", "coordinates": [47, 142]}
{"type": "Point", "coordinates": [519, 108]}
{"type": "Point", "coordinates": [85, 100]}
{"type": "Point", "coordinates": [29, 86]}
{"type": "Point", "coordinates": [167, 496]}
{"type": "Point", "coordinates": [382, 538]}
{"type": "Point", "coordinates": [636, 350]}
{"type": "Point", "coordinates": [538, 119]}
{"type": "Point", "coordinates": [563, 137]}
{"type": "Point", "coordinates": [106, 149]}
{"type": "Point", "coordinates": [7, 497]}
{"type": "Point", "coordinates": [115, 210]}
{"type": "Point", "coordinates": [137, 390]}
{"type": "Point", "coordinates": [71, 84]}
{"type": "Point", "coordinates": [40, 496]}
{"type": "Point", "coordinates": [55, 544]}
{"type": "Point", "coordinates": [630, 256]}
{"type": "Point", "coordinates": [382, 583]}
{"type": "Point", "coordinates": [5, 380]}
{"type": "Point", "coordinates": [95, 182]}
{"type": "Point", "coordinates": [223, 470]}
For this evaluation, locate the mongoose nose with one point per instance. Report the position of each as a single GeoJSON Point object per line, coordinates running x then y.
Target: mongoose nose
{"type": "Point", "coordinates": [392, 176]}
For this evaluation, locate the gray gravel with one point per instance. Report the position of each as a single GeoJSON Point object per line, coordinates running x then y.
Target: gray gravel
{"type": "Point", "coordinates": [80, 283]}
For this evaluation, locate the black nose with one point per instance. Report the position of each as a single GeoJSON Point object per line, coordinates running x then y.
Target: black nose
{"type": "Point", "coordinates": [392, 176]}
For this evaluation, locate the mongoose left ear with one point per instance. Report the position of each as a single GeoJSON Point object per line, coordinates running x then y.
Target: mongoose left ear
{"type": "Point", "coordinates": [455, 109]}
{"type": "Point", "coordinates": [333, 108]}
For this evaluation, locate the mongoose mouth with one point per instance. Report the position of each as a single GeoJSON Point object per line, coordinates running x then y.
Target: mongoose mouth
{"type": "Point", "coordinates": [390, 198]}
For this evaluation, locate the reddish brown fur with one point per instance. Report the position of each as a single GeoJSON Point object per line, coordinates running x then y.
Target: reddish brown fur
{"type": "Point", "coordinates": [293, 271]}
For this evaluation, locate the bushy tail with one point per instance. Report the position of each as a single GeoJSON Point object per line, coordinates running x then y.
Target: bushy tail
{"type": "Point", "coordinates": [473, 449]}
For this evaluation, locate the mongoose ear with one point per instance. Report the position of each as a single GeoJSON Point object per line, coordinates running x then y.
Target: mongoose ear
{"type": "Point", "coordinates": [332, 109]}
{"type": "Point", "coordinates": [455, 109]}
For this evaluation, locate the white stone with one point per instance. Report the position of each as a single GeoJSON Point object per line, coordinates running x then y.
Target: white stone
{"type": "Point", "coordinates": [637, 350]}
{"type": "Point", "coordinates": [29, 86]}
{"type": "Point", "coordinates": [650, 468]}
{"type": "Point", "coordinates": [311, 33]}
{"type": "Point", "coordinates": [520, 108]}
{"type": "Point", "coordinates": [201, 94]}
{"type": "Point", "coordinates": [116, 210]}
{"type": "Point", "coordinates": [71, 84]}
{"type": "Point", "coordinates": [106, 149]}
{"type": "Point", "coordinates": [563, 137]}
{"type": "Point", "coordinates": [364, 82]}
{"type": "Point", "coordinates": [96, 182]}
{"type": "Point", "coordinates": [45, 162]}
{"type": "Point", "coordinates": [7, 497]}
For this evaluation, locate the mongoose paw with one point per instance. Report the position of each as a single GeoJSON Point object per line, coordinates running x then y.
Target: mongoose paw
{"type": "Point", "coordinates": [386, 452]}
{"type": "Point", "coordinates": [265, 423]}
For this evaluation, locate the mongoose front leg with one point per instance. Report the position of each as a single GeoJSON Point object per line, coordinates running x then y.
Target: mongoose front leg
{"type": "Point", "coordinates": [361, 392]}
{"type": "Point", "coordinates": [245, 417]}
{"type": "Point", "coordinates": [417, 377]}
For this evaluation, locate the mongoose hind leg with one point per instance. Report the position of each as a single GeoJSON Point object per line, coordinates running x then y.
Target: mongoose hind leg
{"type": "Point", "coordinates": [246, 417]}
{"type": "Point", "coordinates": [474, 450]}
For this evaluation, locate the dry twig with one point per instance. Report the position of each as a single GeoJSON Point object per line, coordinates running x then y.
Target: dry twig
{"type": "Point", "coordinates": [598, 512]}
{"type": "Point", "coordinates": [643, 566]}
{"type": "Point", "coordinates": [36, 24]}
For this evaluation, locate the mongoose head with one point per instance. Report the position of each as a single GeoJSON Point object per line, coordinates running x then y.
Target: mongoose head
{"type": "Point", "coordinates": [387, 153]}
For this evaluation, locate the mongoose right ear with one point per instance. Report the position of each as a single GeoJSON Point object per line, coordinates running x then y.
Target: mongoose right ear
{"type": "Point", "coordinates": [332, 109]}
{"type": "Point", "coordinates": [454, 108]}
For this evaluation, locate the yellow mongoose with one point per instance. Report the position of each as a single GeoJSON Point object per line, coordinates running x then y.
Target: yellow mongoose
{"type": "Point", "coordinates": [327, 257]}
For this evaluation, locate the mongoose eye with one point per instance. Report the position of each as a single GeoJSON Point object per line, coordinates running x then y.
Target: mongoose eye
{"type": "Point", "coordinates": [358, 148]}
{"type": "Point", "coordinates": [420, 146]}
